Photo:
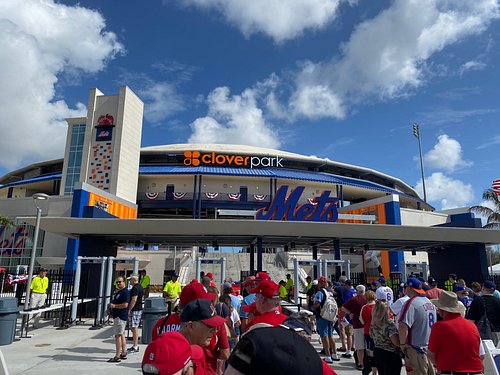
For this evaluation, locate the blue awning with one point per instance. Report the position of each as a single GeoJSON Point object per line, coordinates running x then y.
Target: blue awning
{"type": "Point", "coordinates": [55, 176]}
{"type": "Point", "coordinates": [268, 173]}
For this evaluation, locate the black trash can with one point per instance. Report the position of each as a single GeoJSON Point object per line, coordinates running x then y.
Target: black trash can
{"type": "Point", "coordinates": [154, 309]}
{"type": "Point", "coordinates": [8, 319]}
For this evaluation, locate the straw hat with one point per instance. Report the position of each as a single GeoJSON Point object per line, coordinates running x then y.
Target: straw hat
{"type": "Point", "coordinates": [449, 302]}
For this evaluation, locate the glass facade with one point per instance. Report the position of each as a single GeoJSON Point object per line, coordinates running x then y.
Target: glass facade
{"type": "Point", "coordinates": [74, 157]}
{"type": "Point", "coordinates": [16, 244]}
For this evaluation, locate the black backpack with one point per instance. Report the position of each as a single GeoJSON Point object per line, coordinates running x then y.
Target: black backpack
{"type": "Point", "coordinates": [484, 326]}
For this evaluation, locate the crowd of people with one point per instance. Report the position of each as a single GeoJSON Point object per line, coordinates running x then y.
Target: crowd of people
{"type": "Point", "coordinates": [207, 331]}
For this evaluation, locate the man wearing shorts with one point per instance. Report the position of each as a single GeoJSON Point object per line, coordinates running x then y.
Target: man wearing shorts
{"type": "Point", "coordinates": [119, 313]}
{"type": "Point", "coordinates": [135, 311]}
{"type": "Point", "coordinates": [353, 310]}
{"type": "Point", "coordinates": [415, 323]}
{"type": "Point", "coordinates": [324, 327]}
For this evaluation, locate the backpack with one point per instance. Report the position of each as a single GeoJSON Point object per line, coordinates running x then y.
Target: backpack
{"type": "Point", "coordinates": [329, 309]}
{"type": "Point", "coordinates": [485, 327]}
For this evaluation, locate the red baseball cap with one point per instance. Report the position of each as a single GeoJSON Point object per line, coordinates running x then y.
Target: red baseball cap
{"type": "Point", "coordinates": [194, 291]}
{"type": "Point", "coordinates": [261, 276]}
{"type": "Point", "coordinates": [267, 288]}
{"type": "Point", "coordinates": [201, 310]}
{"type": "Point", "coordinates": [249, 280]}
{"type": "Point", "coordinates": [210, 276]}
{"type": "Point", "coordinates": [166, 355]}
{"type": "Point", "coordinates": [323, 279]}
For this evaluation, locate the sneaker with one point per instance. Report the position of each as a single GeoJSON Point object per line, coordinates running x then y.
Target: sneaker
{"type": "Point", "coordinates": [133, 349]}
{"type": "Point", "coordinates": [359, 367]}
{"type": "Point", "coordinates": [347, 355]}
{"type": "Point", "coordinates": [335, 357]}
{"type": "Point", "coordinates": [341, 349]}
{"type": "Point", "coordinates": [328, 360]}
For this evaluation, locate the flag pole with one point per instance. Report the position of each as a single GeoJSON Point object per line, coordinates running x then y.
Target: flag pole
{"type": "Point", "coordinates": [416, 133]}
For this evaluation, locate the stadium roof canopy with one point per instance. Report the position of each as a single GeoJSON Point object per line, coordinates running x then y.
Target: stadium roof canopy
{"type": "Point", "coordinates": [192, 232]}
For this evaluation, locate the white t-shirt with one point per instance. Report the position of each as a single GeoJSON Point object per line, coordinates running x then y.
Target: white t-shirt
{"type": "Point", "coordinates": [397, 306]}
{"type": "Point", "coordinates": [384, 292]}
{"type": "Point", "coordinates": [235, 317]}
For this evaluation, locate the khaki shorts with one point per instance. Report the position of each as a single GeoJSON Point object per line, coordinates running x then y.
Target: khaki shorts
{"type": "Point", "coordinates": [359, 338]}
{"type": "Point", "coordinates": [119, 326]}
{"type": "Point", "coordinates": [419, 363]}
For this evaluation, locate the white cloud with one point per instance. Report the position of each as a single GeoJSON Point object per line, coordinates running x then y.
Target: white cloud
{"type": "Point", "coordinates": [386, 57]}
{"type": "Point", "coordinates": [161, 100]}
{"type": "Point", "coordinates": [316, 102]}
{"type": "Point", "coordinates": [446, 154]}
{"type": "Point", "coordinates": [450, 193]}
{"type": "Point", "coordinates": [280, 19]}
{"type": "Point", "coordinates": [39, 41]}
{"type": "Point", "coordinates": [233, 119]}
{"type": "Point", "coordinates": [495, 140]}
{"type": "Point", "coordinates": [472, 65]}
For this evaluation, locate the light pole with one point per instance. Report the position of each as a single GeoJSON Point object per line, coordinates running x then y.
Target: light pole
{"type": "Point", "coordinates": [416, 133]}
{"type": "Point", "coordinates": [36, 197]}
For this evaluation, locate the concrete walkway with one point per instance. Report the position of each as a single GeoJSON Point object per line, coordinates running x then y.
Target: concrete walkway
{"type": "Point", "coordinates": [79, 350]}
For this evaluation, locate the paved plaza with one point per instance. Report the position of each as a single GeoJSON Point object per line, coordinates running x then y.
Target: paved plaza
{"type": "Point", "coordinates": [79, 350]}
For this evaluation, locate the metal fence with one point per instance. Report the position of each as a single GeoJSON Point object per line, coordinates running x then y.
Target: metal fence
{"type": "Point", "coordinates": [60, 292]}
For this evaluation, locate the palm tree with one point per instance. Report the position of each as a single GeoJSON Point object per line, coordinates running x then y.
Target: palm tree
{"type": "Point", "coordinates": [5, 222]}
{"type": "Point", "coordinates": [492, 215]}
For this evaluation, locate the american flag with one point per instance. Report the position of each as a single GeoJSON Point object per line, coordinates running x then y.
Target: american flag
{"type": "Point", "coordinates": [496, 186]}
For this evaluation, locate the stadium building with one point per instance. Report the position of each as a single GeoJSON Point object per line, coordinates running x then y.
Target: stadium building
{"type": "Point", "coordinates": [109, 196]}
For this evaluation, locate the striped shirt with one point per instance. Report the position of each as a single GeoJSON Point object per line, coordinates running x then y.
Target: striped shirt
{"type": "Point", "coordinates": [419, 314]}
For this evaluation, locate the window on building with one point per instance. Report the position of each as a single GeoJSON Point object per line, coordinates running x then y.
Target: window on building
{"type": "Point", "coordinates": [74, 157]}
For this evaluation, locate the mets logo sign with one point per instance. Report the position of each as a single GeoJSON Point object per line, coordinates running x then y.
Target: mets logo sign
{"type": "Point", "coordinates": [322, 208]}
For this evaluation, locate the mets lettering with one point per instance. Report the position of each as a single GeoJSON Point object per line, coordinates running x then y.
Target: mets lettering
{"type": "Point", "coordinates": [323, 208]}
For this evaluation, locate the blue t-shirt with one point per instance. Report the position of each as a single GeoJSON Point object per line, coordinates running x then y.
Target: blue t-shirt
{"type": "Point", "coordinates": [235, 301]}
{"type": "Point", "coordinates": [120, 297]}
{"type": "Point", "coordinates": [319, 297]}
{"type": "Point", "coordinates": [248, 300]}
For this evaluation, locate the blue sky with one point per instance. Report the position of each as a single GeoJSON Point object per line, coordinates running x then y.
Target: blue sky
{"type": "Point", "coordinates": [338, 79]}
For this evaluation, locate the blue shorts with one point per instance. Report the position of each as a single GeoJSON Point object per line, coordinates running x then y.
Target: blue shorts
{"type": "Point", "coordinates": [324, 327]}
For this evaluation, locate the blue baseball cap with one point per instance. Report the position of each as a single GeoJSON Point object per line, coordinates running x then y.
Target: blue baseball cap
{"type": "Point", "coordinates": [374, 283]}
{"type": "Point", "coordinates": [489, 285]}
{"type": "Point", "coordinates": [382, 280]}
{"type": "Point", "coordinates": [459, 288]}
{"type": "Point", "coordinates": [415, 284]}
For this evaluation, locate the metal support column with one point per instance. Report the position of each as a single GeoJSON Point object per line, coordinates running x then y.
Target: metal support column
{"type": "Point", "coordinates": [100, 300]}
{"type": "Point", "coordinates": [296, 280]}
{"type": "Point", "coordinates": [198, 268]}
{"type": "Point", "coordinates": [404, 276]}
{"type": "Point", "coordinates": [337, 256]}
{"type": "Point", "coordinates": [136, 266]}
{"type": "Point", "coordinates": [315, 257]}
{"type": "Point", "coordinates": [259, 254]}
{"type": "Point", "coordinates": [109, 283]}
{"type": "Point", "coordinates": [252, 259]}
{"type": "Point", "coordinates": [222, 270]}
{"type": "Point", "coordinates": [76, 289]}
{"type": "Point", "coordinates": [347, 264]}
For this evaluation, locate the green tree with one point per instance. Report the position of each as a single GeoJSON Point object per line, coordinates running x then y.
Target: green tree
{"type": "Point", "coordinates": [492, 215]}
{"type": "Point", "coordinates": [6, 222]}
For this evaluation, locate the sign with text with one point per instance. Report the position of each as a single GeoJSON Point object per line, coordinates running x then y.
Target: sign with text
{"type": "Point", "coordinates": [196, 158]}
{"type": "Point", "coordinates": [322, 208]}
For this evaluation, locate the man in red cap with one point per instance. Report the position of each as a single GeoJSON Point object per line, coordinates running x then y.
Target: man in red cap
{"type": "Point", "coordinates": [211, 277]}
{"type": "Point", "coordinates": [267, 304]}
{"type": "Point", "coordinates": [172, 322]}
{"type": "Point", "coordinates": [202, 326]}
{"type": "Point", "coordinates": [249, 284]}
{"type": "Point", "coordinates": [172, 354]}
